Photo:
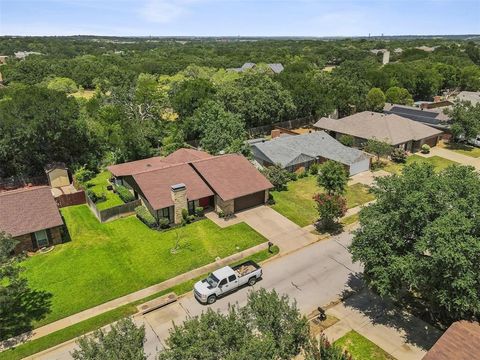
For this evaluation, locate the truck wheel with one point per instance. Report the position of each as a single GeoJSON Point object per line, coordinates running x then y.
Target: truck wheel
{"type": "Point", "coordinates": [252, 281]}
{"type": "Point", "coordinates": [211, 299]}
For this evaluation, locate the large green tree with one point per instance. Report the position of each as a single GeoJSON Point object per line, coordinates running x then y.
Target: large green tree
{"type": "Point", "coordinates": [398, 95]}
{"type": "Point", "coordinates": [333, 177]}
{"type": "Point", "coordinates": [375, 100]}
{"type": "Point", "coordinates": [19, 305]}
{"type": "Point", "coordinates": [421, 240]}
{"type": "Point", "coordinates": [466, 120]}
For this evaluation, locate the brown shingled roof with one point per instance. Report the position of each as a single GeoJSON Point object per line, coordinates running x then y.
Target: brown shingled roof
{"type": "Point", "coordinates": [156, 184]}
{"type": "Point", "coordinates": [186, 156]}
{"type": "Point", "coordinates": [138, 166]}
{"type": "Point", "coordinates": [460, 342]}
{"type": "Point", "coordinates": [28, 210]}
{"type": "Point", "coordinates": [231, 176]}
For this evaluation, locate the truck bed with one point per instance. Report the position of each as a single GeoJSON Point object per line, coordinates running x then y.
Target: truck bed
{"type": "Point", "coordinates": [245, 268]}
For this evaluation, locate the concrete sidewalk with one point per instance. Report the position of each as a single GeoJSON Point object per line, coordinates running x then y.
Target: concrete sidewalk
{"type": "Point", "coordinates": [135, 296]}
{"type": "Point", "coordinates": [399, 333]}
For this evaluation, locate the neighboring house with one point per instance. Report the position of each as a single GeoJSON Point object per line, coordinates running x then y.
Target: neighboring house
{"type": "Point", "coordinates": [461, 341]}
{"type": "Point", "coordinates": [434, 117]}
{"type": "Point", "coordinates": [472, 96]}
{"type": "Point", "coordinates": [276, 68]}
{"type": "Point", "coordinates": [57, 174]}
{"type": "Point", "coordinates": [187, 179]}
{"type": "Point", "coordinates": [31, 216]}
{"type": "Point", "coordinates": [396, 130]}
{"type": "Point", "coordinates": [296, 151]}
{"type": "Point", "coordinates": [23, 54]}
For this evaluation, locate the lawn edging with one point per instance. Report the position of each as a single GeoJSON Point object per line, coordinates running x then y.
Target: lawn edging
{"type": "Point", "coordinates": [71, 333]}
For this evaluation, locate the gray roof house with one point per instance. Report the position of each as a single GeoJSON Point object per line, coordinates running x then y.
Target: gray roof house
{"type": "Point", "coordinates": [396, 130]}
{"type": "Point", "coordinates": [472, 96]}
{"type": "Point", "coordinates": [295, 151]}
{"type": "Point", "coordinates": [276, 68]}
{"type": "Point", "coordinates": [434, 117]}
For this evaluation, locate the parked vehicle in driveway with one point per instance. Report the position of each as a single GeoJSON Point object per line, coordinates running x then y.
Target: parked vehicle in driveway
{"type": "Point", "coordinates": [226, 280]}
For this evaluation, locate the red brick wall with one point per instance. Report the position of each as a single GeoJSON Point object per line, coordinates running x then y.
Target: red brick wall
{"type": "Point", "coordinates": [27, 242]}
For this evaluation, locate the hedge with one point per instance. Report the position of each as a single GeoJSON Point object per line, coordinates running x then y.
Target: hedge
{"type": "Point", "coordinates": [125, 194]}
{"type": "Point", "coordinates": [144, 215]}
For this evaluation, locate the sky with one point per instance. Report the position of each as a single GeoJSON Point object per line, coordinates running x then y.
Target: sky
{"type": "Point", "coordinates": [239, 17]}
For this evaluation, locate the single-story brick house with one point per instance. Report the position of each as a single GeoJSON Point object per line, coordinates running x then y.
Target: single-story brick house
{"type": "Point", "coordinates": [188, 178]}
{"type": "Point", "coordinates": [31, 216]}
{"type": "Point", "coordinates": [396, 130]}
{"type": "Point", "coordinates": [434, 117]}
{"type": "Point", "coordinates": [296, 151]}
{"type": "Point", "coordinates": [461, 341]}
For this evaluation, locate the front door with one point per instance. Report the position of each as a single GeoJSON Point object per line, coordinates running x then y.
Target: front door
{"type": "Point", "coordinates": [42, 238]}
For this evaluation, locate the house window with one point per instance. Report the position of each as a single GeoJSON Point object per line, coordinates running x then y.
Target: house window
{"type": "Point", "coordinates": [165, 213]}
{"type": "Point", "coordinates": [191, 207]}
{"type": "Point", "coordinates": [42, 238]}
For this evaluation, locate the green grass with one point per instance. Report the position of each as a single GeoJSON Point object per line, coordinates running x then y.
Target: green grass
{"type": "Point", "coordinates": [296, 202]}
{"type": "Point", "coordinates": [106, 261]}
{"type": "Point", "coordinates": [464, 149]}
{"type": "Point", "coordinates": [99, 186]}
{"type": "Point", "coordinates": [108, 317]}
{"type": "Point", "coordinates": [438, 162]}
{"type": "Point", "coordinates": [361, 348]}
{"type": "Point", "coordinates": [350, 219]}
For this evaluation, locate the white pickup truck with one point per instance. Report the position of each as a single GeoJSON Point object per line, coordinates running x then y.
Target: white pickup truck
{"type": "Point", "coordinates": [225, 280]}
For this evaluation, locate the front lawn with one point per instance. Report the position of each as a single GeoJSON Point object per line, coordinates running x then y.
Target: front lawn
{"type": "Point", "coordinates": [463, 149]}
{"type": "Point", "coordinates": [106, 261]}
{"type": "Point", "coordinates": [438, 162]}
{"type": "Point", "coordinates": [99, 186]}
{"type": "Point", "coordinates": [361, 348]}
{"type": "Point", "coordinates": [296, 202]}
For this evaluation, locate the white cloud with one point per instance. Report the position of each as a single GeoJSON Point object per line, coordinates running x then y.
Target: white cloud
{"type": "Point", "coordinates": [165, 11]}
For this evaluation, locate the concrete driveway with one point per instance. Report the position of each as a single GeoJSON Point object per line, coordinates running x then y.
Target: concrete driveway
{"type": "Point", "coordinates": [454, 156]}
{"type": "Point", "coordinates": [271, 224]}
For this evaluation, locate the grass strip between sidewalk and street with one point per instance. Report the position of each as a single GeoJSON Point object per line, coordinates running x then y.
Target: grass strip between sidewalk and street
{"type": "Point", "coordinates": [97, 322]}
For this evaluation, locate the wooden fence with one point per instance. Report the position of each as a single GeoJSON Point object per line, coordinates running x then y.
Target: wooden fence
{"type": "Point", "coordinates": [76, 198]}
{"type": "Point", "coordinates": [13, 183]}
{"type": "Point", "coordinates": [289, 124]}
{"type": "Point", "coordinates": [113, 212]}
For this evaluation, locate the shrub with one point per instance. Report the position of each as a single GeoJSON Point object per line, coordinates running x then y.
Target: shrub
{"type": "Point", "coordinates": [314, 168]}
{"type": "Point", "coordinates": [271, 200]}
{"type": "Point", "coordinates": [221, 214]}
{"type": "Point", "coordinates": [95, 197]}
{"type": "Point", "coordinates": [125, 194]}
{"type": "Point", "coordinates": [144, 215]}
{"type": "Point", "coordinates": [347, 140]}
{"type": "Point", "coordinates": [190, 218]}
{"type": "Point", "coordinates": [278, 176]}
{"type": "Point", "coordinates": [398, 155]}
{"type": "Point", "coordinates": [184, 214]}
{"type": "Point", "coordinates": [302, 174]}
{"type": "Point", "coordinates": [164, 223]}
{"type": "Point", "coordinates": [83, 175]}
{"type": "Point", "coordinates": [199, 211]}
{"type": "Point", "coordinates": [425, 149]}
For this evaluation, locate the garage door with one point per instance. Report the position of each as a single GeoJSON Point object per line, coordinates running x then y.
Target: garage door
{"type": "Point", "coordinates": [359, 167]}
{"type": "Point", "coordinates": [249, 201]}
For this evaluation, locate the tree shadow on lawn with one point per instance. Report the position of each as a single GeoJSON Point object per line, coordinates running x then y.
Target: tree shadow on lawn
{"type": "Point", "coordinates": [18, 313]}
{"type": "Point", "coordinates": [382, 311]}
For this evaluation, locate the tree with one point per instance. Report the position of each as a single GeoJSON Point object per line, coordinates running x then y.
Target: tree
{"type": "Point", "coordinates": [62, 84]}
{"type": "Point", "coordinates": [190, 94]}
{"type": "Point", "coordinates": [375, 100]}
{"type": "Point", "coordinates": [219, 128]}
{"type": "Point", "coordinates": [330, 209]}
{"type": "Point", "coordinates": [378, 148]}
{"type": "Point", "coordinates": [269, 327]}
{"type": "Point", "coordinates": [347, 140]}
{"type": "Point", "coordinates": [398, 95]}
{"type": "Point", "coordinates": [278, 176]}
{"type": "Point", "coordinates": [333, 177]}
{"type": "Point", "coordinates": [19, 305]}
{"type": "Point", "coordinates": [466, 120]}
{"type": "Point", "coordinates": [322, 349]}
{"type": "Point", "coordinates": [124, 341]}
{"type": "Point", "coordinates": [413, 246]}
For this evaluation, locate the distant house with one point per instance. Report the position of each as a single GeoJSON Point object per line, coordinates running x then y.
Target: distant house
{"type": "Point", "coordinates": [21, 55]}
{"type": "Point", "coordinates": [461, 341]}
{"type": "Point", "coordinates": [296, 151]}
{"type": "Point", "coordinates": [472, 96]}
{"type": "Point", "coordinates": [434, 117]}
{"type": "Point", "coordinates": [187, 179]}
{"type": "Point", "coordinates": [396, 130]}
{"type": "Point", "coordinates": [276, 68]}
{"type": "Point", "coordinates": [31, 216]}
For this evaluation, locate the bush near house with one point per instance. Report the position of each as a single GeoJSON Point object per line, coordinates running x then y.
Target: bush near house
{"type": "Point", "coordinates": [398, 155]}
{"type": "Point", "coordinates": [144, 215]}
{"type": "Point", "coordinates": [199, 211]}
{"type": "Point", "coordinates": [425, 149]}
{"type": "Point", "coordinates": [164, 223]}
{"type": "Point", "coordinates": [124, 194]}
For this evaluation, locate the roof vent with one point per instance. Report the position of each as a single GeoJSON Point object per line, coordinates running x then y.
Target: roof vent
{"type": "Point", "coordinates": [178, 187]}
{"type": "Point", "coordinates": [149, 165]}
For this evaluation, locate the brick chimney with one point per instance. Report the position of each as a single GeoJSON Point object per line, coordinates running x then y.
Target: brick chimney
{"type": "Point", "coordinates": [180, 202]}
{"type": "Point", "coordinates": [437, 98]}
{"type": "Point", "coordinates": [275, 133]}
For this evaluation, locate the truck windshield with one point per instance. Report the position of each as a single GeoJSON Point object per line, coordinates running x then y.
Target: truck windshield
{"type": "Point", "coordinates": [212, 281]}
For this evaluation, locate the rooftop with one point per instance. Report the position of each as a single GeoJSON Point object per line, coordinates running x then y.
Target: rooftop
{"type": "Point", "coordinates": [27, 210]}
{"type": "Point", "coordinates": [472, 96]}
{"type": "Point", "coordinates": [391, 128]}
